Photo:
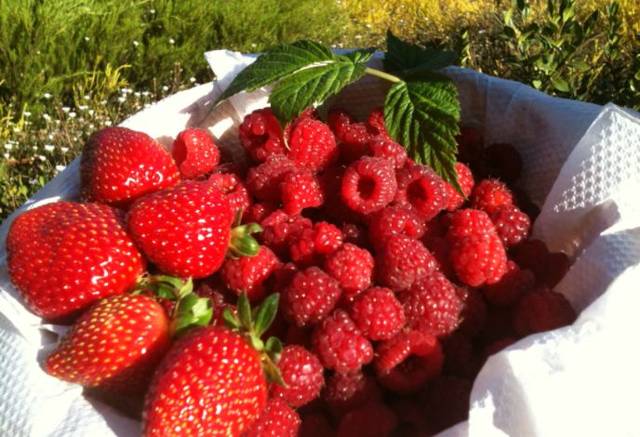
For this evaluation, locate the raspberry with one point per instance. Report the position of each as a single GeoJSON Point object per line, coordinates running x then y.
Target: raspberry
{"type": "Point", "coordinates": [302, 374]}
{"type": "Point", "coordinates": [542, 310]}
{"type": "Point", "coordinates": [234, 189]}
{"type": "Point", "coordinates": [257, 212]}
{"type": "Point", "coordinates": [474, 312]}
{"type": "Point", "coordinates": [378, 314]}
{"type": "Point", "coordinates": [345, 392]}
{"type": "Point", "coordinates": [316, 424]}
{"type": "Point", "coordinates": [526, 205]}
{"type": "Point", "coordinates": [489, 194]}
{"type": "Point", "coordinates": [220, 299]}
{"type": "Point", "coordinates": [248, 273]}
{"type": "Point", "coordinates": [373, 419]}
{"type": "Point", "coordinates": [340, 344]}
{"type": "Point", "coordinates": [376, 122]}
{"type": "Point", "coordinates": [459, 357]}
{"type": "Point", "coordinates": [282, 276]}
{"type": "Point", "coordinates": [353, 137]}
{"type": "Point", "coordinates": [381, 146]}
{"type": "Point", "coordinates": [403, 261]}
{"type": "Point", "coordinates": [504, 162]}
{"type": "Point", "coordinates": [511, 224]}
{"type": "Point", "coordinates": [407, 361]}
{"type": "Point", "coordinates": [465, 180]}
{"type": "Point", "coordinates": [300, 189]}
{"type": "Point", "coordinates": [432, 305]}
{"type": "Point", "coordinates": [277, 420]}
{"type": "Point", "coordinates": [394, 220]}
{"type": "Point", "coordinates": [310, 296]}
{"type": "Point", "coordinates": [421, 188]}
{"type": "Point", "coordinates": [447, 402]}
{"type": "Point", "coordinates": [195, 153]}
{"type": "Point", "coordinates": [279, 229]}
{"type": "Point", "coordinates": [313, 243]}
{"type": "Point", "coordinates": [440, 249]}
{"type": "Point", "coordinates": [261, 135]}
{"type": "Point", "coordinates": [311, 144]}
{"type": "Point", "coordinates": [548, 267]}
{"type": "Point", "coordinates": [352, 267]}
{"type": "Point", "coordinates": [510, 287]}
{"type": "Point", "coordinates": [264, 180]}
{"type": "Point", "coordinates": [368, 185]}
{"type": "Point", "coordinates": [477, 254]}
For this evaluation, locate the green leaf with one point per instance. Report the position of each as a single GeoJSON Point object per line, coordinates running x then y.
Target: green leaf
{"type": "Point", "coordinates": [273, 347]}
{"type": "Point", "coordinates": [560, 84]}
{"type": "Point", "coordinates": [424, 116]}
{"type": "Point", "coordinates": [230, 319]}
{"type": "Point", "coordinates": [276, 64]}
{"type": "Point", "coordinates": [266, 314]}
{"type": "Point", "coordinates": [315, 83]}
{"type": "Point", "coordinates": [244, 311]}
{"type": "Point", "coordinates": [191, 311]}
{"type": "Point", "coordinates": [409, 60]}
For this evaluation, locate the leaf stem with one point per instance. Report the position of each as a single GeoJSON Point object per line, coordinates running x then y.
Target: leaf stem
{"type": "Point", "coordinates": [382, 75]}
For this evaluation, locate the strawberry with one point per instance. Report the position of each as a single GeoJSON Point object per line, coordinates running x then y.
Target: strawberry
{"type": "Point", "coordinates": [114, 346]}
{"type": "Point", "coordinates": [186, 230]}
{"type": "Point", "coordinates": [64, 256]}
{"type": "Point", "coordinates": [212, 381]}
{"type": "Point", "coordinates": [120, 164]}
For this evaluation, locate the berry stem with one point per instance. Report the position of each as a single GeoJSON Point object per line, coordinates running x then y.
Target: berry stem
{"type": "Point", "coordinates": [242, 242]}
{"type": "Point", "coordinates": [382, 75]}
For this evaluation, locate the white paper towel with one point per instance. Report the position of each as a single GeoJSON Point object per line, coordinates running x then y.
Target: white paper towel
{"type": "Point", "coordinates": [581, 160]}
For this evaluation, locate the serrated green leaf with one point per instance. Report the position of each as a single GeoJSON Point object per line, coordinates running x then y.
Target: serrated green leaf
{"type": "Point", "coordinates": [276, 64]}
{"type": "Point", "coordinates": [409, 60]}
{"type": "Point", "coordinates": [266, 314]}
{"type": "Point", "coordinates": [315, 83]}
{"type": "Point", "coordinates": [424, 116]}
{"type": "Point", "coordinates": [191, 311]}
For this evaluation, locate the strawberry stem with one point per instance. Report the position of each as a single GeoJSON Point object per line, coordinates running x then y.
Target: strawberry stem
{"type": "Point", "coordinates": [242, 241]}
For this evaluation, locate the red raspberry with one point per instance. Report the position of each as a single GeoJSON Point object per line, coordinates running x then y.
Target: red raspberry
{"type": "Point", "coordinates": [195, 153]}
{"type": "Point", "coordinates": [247, 274]}
{"type": "Point", "coordinates": [345, 392]}
{"type": "Point", "coordinates": [510, 287]}
{"type": "Point", "coordinates": [394, 220]}
{"type": "Point", "coordinates": [465, 180]}
{"type": "Point", "coordinates": [421, 188]}
{"type": "Point", "coordinates": [459, 356]}
{"type": "Point", "coordinates": [381, 146]}
{"type": "Point", "coordinates": [234, 189]}
{"type": "Point", "coordinates": [470, 145]}
{"type": "Point", "coordinates": [542, 310]}
{"type": "Point", "coordinates": [376, 122]}
{"type": "Point", "coordinates": [407, 361]}
{"type": "Point", "coordinates": [403, 261]}
{"type": "Point", "coordinates": [489, 194]}
{"type": "Point", "coordinates": [264, 180]}
{"type": "Point", "coordinates": [221, 298]}
{"type": "Point", "coordinates": [477, 254]}
{"type": "Point", "coordinates": [352, 267]}
{"type": "Point", "coordinates": [340, 344]}
{"type": "Point", "coordinates": [474, 312]}
{"type": "Point", "coordinates": [257, 212]}
{"type": "Point", "coordinates": [334, 208]}
{"type": "Point", "coordinates": [300, 189]}
{"type": "Point", "coordinates": [447, 402]}
{"type": "Point", "coordinates": [378, 314]}
{"type": "Point", "coordinates": [311, 144]}
{"type": "Point", "coordinates": [548, 267]}
{"type": "Point", "coordinates": [373, 419]}
{"type": "Point", "coordinates": [526, 205]}
{"type": "Point", "coordinates": [511, 224]}
{"type": "Point", "coordinates": [504, 162]}
{"type": "Point", "coordinates": [368, 185]}
{"type": "Point", "coordinates": [279, 229]}
{"type": "Point", "coordinates": [302, 374]}
{"type": "Point", "coordinates": [316, 424]}
{"type": "Point", "coordinates": [282, 276]}
{"type": "Point", "coordinates": [261, 135]}
{"type": "Point", "coordinates": [353, 137]}
{"type": "Point", "coordinates": [498, 346]}
{"type": "Point", "coordinates": [432, 305]}
{"type": "Point", "coordinates": [310, 296]}
{"type": "Point", "coordinates": [440, 249]}
{"type": "Point", "coordinates": [314, 243]}
{"type": "Point", "coordinates": [277, 420]}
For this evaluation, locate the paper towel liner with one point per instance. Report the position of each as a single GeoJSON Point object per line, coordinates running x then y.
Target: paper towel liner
{"type": "Point", "coordinates": [582, 162]}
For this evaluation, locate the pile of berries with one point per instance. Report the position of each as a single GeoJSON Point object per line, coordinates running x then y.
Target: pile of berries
{"type": "Point", "coordinates": [391, 287]}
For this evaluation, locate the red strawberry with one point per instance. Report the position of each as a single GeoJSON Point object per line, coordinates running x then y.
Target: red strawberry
{"type": "Point", "coordinates": [120, 164]}
{"type": "Point", "coordinates": [185, 230]}
{"type": "Point", "coordinates": [64, 256]}
{"type": "Point", "coordinates": [114, 346]}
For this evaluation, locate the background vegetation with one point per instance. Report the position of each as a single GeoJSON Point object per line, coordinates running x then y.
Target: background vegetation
{"type": "Point", "coordinates": [69, 67]}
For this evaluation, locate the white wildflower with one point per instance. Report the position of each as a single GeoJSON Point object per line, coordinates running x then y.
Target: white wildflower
{"type": "Point", "coordinates": [192, 79]}
{"type": "Point", "coordinates": [64, 149]}
{"type": "Point", "coordinates": [165, 88]}
{"type": "Point", "coordinates": [135, 43]}
{"type": "Point", "coordinates": [91, 112]}
{"type": "Point", "coordinates": [60, 168]}
{"type": "Point", "coordinates": [8, 146]}
{"type": "Point", "coordinates": [86, 38]}
{"type": "Point", "coordinates": [7, 156]}
{"type": "Point", "coordinates": [83, 107]}
{"type": "Point", "coordinates": [172, 41]}
{"type": "Point", "coordinates": [46, 96]}
{"type": "Point", "coordinates": [66, 109]}
{"type": "Point", "coordinates": [121, 99]}
{"type": "Point", "coordinates": [72, 114]}
{"type": "Point", "coordinates": [49, 147]}
{"type": "Point", "coordinates": [27, 114]}
{"type": "Point", "coordinates": [137, 94]}
{"type": "Point", "coordinates": [107, 123]}
{"type": "Point", "coordinates": [34, 148]}
{"type": "Point", "coordinates": [46, 116]}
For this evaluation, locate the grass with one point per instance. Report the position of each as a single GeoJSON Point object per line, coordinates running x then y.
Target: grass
{"type": "Point", "coordinates": [69, 67]}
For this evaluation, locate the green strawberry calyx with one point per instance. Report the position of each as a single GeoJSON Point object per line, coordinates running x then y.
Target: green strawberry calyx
{"type": "Point", "coordinates": [252, 324]}
{"type": "Point", "coordinates": [242, 242]}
